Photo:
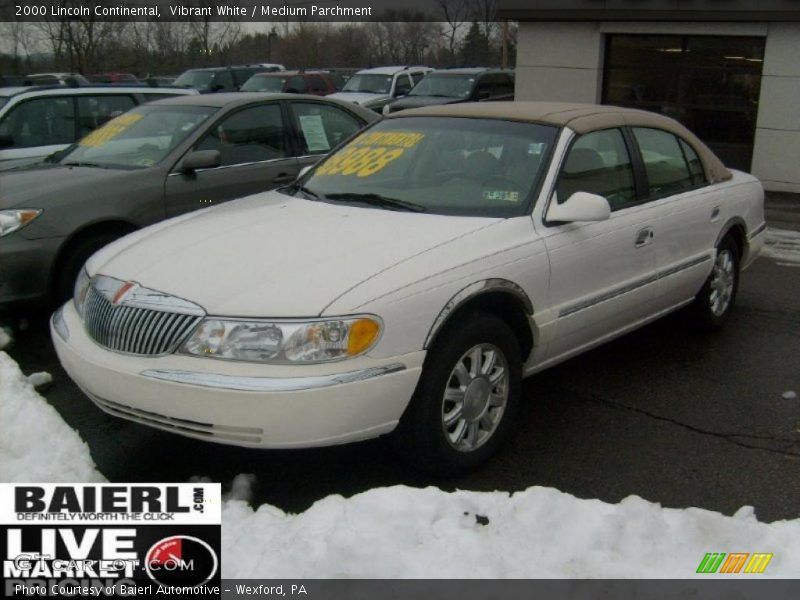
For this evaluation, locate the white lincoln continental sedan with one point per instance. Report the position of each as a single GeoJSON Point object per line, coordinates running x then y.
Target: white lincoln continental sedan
{"type": "Point", "coordinates": [409, 281]}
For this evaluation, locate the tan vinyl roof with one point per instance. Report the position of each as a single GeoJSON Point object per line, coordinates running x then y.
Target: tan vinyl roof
{"type": "Point", "coordinates": [581, 118]}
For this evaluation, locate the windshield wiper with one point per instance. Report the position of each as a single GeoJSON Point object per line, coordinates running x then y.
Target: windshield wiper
{"type": "Point", "coordinates": [296, 187]}
{"type": "Point", "coordinates": [83, 164]}
{"type": "Point", "coordinates": [380, 201]}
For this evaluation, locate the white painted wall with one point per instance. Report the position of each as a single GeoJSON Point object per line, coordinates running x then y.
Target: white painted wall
{"type": "Point", "coordinates": [559, 61]}
{"type": "Point", "coordinates": [564, 62]}
{"type": "Point", "coordinates": [776, 156]}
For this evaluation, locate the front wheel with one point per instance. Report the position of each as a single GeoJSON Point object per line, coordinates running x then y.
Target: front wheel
{"type": "Point", "coordinates": [713, 304]}
{"type": "Point", "coordinates": [466, 399]}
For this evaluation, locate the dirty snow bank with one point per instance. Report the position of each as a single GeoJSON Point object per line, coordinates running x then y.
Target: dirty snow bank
{"type": "Point", "coordinates": [35, 442]}
{"type": "Point", "coordinates": [783, 245]}
{"type": "Point", "coordinates": [401, 532]}
{"type": "Point", "coordinates": [6, 338]}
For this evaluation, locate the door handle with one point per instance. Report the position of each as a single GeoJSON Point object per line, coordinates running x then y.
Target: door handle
{"type": "Point", "coordinates": [284, 178]}
{"type": "Point", "coordinates": [643, 237]}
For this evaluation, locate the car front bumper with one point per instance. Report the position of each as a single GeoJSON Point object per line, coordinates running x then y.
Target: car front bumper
{"type": "Point", "coordinates": [25, 267]}
{"type": "Point", "coordinates": [242, 404]}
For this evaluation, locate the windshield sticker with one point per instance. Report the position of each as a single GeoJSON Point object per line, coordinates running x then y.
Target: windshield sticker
{"type": "Point", "coordinates": [500, 196]}
{"type": "Point", "coordinates": [370, 153]}
{"type": "Point", "coordinates": [110, 130]}
{"type": "Point", "coordinates": [314, 132]}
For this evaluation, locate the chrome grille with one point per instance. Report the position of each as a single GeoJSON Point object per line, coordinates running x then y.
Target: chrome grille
{"type": "Point", "coordinates": [135, 329]}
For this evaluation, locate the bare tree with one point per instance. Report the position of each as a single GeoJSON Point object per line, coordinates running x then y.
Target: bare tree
{"type": "Point", "coordinates": [213, 37]}
{"type": "Point", "coordinates": [455, 14]}
{"type": "Point", "coordinates": [484, 12]}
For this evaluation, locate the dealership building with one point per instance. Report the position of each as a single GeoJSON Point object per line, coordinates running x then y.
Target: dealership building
{"type": "Point", "coordinates": [727, 69]}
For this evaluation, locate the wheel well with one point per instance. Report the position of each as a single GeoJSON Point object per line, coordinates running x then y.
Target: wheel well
{"type": "Point", "coordinates": [118, 228]}
{"type": "Point", "coordinates": [737, 233]}
{"type": "Point", "coordinates": [503, 305]}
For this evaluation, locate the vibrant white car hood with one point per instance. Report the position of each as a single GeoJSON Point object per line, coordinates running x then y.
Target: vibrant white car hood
{"type": "Point", "coordinates": [273, 256]}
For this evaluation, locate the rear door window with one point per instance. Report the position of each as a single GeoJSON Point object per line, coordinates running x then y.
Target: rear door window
{"type": "Point", "coordinates": [322, 126]}
{"type": "Point", "coordinates": [317, 84]}
{"type": "Point", "coordinates": [251, 135]}
{"type": "Point", "coordinates": [695, 166]}
{"type": "Point", "coordinates": [223, 81]}
{"type": "Point", "coordinates": [664, 162]}
{"type": "Point", "coordinates": [40, 122]}
{"type": "Point", "coordinates": [403, 85]}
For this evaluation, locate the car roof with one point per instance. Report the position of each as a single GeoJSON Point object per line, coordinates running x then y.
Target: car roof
{"type": "Point", "coordinates": [290, 73]}
{"type": "Point", "coordinates": [13, 90]}
{"type": "Point", "coordinates": [580, 118]}
{"type": "Point", "coordinates": [225, 68]}
{"type": "Point", "coordinates": [47, 90]}
{"type": "Point", "coordinates": [467, 71]}
{"type": "Point", "coordinates": [236, 99]}
{"type": "Point", "coordinates": [387, 70]}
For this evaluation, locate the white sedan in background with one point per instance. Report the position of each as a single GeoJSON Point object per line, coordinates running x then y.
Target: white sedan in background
{"type": "Point", "coordinates": [408, 282]}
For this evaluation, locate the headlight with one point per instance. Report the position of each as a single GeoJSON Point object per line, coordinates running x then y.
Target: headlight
{"type": "Point", "coordinates": [13, 219]}
{"type": "Point", "coordinates": [80, 290]}
{"type": "Point", "coordinates": [283, 342]}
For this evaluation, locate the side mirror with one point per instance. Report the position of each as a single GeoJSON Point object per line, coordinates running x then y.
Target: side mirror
{"type": "Point", "coordinates": [6, 141]}
{"type": "Point", "coordinates": [581, 206]}
{"type": "Point", "coordinates": [484, 95]}
{"type": "Point", "coordinates": [201, 159]}
{"type": "Point", "coordinates": [304, 170]}
{"type": "Point", "coordinates": [217, 87]}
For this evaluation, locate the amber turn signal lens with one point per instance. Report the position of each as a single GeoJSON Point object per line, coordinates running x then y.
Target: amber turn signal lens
{"type": "Point", "coordinates": [363, 334]}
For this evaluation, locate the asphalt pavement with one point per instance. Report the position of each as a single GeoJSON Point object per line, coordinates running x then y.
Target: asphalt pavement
{"type": "Point", "coordinates": [667, 413]}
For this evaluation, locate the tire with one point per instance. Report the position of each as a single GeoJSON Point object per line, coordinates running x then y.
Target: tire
{"type": "Point", "coordinates": [433, 435]}
{"type": "Point", "coordinates": [72, 262]}
{"type": "Point", "coordinates": [714, 302]}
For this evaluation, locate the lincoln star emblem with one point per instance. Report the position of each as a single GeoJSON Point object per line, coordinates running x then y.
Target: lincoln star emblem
{"type": "Point", "coordinates": [124, 290]}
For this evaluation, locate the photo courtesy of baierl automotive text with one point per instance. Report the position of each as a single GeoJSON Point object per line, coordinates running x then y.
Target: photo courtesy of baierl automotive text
{"type": "Point", "coordinates": [400, 300]}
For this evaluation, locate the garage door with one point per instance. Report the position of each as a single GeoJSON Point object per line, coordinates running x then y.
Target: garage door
{"type": "Point", "coordinates": [710, 84]}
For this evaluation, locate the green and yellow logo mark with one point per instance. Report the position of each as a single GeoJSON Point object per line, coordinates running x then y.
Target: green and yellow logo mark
{"type": "Point", "coordinates": [735, 562]}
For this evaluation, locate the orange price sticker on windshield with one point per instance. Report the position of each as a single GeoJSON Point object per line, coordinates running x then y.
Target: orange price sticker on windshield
{"type": "Point", "coordinates": [110, 130]}
{"type": "Point", "coordinates": [370, 153]}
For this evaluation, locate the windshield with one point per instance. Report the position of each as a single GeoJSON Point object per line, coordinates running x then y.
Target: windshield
{"type": "Point", "coordinates": [139, 138]}
{"type": "Point", "coordinates": [449, 86]}
{"type": "Point", "coordinates": [369, 84]}
{"type": "Point", "coordinates": [440, 165]}
{"type": "Point", "coordinates": [264, 84]}
{"type": "Point", "coordinates": [199, 80]}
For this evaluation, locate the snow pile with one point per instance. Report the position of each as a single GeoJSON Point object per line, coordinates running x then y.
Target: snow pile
{"type": "Point", "coordinates": [783, 245]}
{"type": "Point", "coordinates": [6, 339]}
{"type": "Point", "coordinates": [35, 443]}
{"type": "Point", "coordinates": [401, 532]}
{"type": "Point", "coordinates": [40, 380]}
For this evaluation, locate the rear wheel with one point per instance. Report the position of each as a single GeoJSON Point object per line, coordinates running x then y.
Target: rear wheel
{"type": "Point", "coordinates": [713, 304]}
{"type": "Point", "coordinates": [466, 399]}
